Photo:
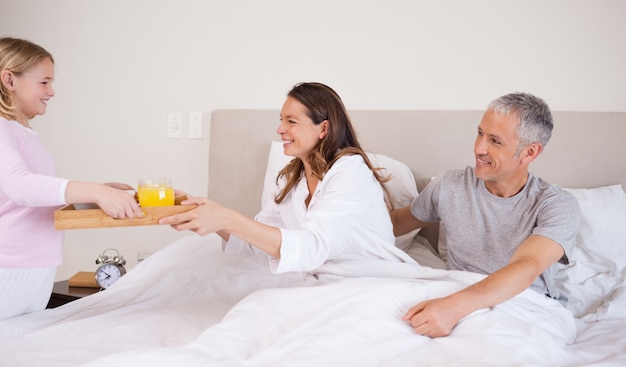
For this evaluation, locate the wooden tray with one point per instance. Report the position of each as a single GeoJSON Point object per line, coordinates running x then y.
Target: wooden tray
{"type": "Point", "coordinates": [91, 216]}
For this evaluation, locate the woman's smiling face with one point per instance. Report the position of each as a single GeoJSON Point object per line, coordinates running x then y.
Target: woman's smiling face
{"type": "Point", "coordinates": [297, 131]}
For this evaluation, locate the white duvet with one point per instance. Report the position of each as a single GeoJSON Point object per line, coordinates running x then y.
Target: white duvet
{"type": "Point", "coordinates": [191, 305]}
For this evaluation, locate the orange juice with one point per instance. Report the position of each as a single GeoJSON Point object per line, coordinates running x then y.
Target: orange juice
{"type": "Point", "coordinates": [155, 193]}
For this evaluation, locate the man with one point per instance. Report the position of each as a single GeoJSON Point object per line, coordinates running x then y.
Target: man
{"type": "Point", "coordinates": [499, 218]}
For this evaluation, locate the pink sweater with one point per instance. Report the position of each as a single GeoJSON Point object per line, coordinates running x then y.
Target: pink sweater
{"type": "Point", "coordinates": [29, 194]}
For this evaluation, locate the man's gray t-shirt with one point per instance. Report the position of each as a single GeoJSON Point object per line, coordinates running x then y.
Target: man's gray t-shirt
{"type": "Point", "coordinates": [483, 230]}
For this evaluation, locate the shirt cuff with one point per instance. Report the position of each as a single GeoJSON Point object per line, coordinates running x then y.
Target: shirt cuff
{"type": "Point", "coordinates": [289, 253]}
{"type": "Point", "coordinates": [62, 191]}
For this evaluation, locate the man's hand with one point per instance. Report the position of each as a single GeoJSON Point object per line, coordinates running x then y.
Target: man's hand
{"type": "Point", "coordinates": [438, 317]}
{"type": "Point", "coordinates": [434, 318]}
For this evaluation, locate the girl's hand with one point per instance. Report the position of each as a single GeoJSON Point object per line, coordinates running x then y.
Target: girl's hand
{"type": "Point", "coordinates": [119, 185]}
{"type": "Point", "coordinates": [118, 201]}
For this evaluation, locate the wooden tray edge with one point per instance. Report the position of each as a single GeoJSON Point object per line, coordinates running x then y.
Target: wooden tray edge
{"type": "Point", "coordinates": [68, 217]}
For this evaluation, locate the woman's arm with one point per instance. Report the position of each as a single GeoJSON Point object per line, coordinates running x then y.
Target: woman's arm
{"type": "Point", "coordinates": [210, 217]}
{"type": "Point", "coordinates": [346, 195]}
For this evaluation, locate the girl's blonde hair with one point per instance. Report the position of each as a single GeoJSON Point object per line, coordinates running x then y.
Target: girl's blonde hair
{"type": "Point", "coordinates": [17, 56]}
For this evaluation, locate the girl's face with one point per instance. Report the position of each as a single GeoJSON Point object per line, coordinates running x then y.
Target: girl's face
{"type": "Point", "coordinates": [32, 90]}
{"type": "Point", "coordinates": [297, 131]}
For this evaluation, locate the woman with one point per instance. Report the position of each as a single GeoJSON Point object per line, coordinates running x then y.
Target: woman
{"type": "Point", "coordinates": [330, 200]}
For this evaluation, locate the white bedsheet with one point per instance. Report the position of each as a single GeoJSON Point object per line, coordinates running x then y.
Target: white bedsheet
{"type": "Point", "coordinates": [191, 305]}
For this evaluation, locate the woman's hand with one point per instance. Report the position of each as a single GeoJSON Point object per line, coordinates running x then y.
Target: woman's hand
{"type": "Point", "coordinates": [211, 217]}
{"type": "Point", "coordinates": [208, 217]}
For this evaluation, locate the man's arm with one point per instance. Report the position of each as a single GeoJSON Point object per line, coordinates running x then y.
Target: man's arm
{"type": "Point", "coordinates": [404, 221]}
{"type": "Point", "coordinates": [438, 317]}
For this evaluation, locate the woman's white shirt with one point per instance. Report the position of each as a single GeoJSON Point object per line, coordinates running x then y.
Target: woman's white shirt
{"type": "Point", "coordinates": [347, 219]}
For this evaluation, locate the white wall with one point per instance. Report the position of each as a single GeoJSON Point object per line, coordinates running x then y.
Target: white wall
{"type": "Point", "coordinates": [121, 65]}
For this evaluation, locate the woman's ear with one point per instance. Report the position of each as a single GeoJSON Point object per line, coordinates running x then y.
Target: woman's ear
{"type": "Point", "coordinates": [324, 129]}
{"type": "Point", "coordinates": [6, 77]}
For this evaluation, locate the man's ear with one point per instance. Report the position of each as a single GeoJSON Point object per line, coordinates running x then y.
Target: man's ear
{"type": "Point", "coordinates": [324, 129]}
{"type": "Point", "coordinates": [531, 152]}
{"type": "Point", "coordinates": [6, 77]}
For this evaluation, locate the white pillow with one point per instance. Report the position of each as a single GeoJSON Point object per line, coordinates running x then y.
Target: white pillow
{"type": "Point", "coordinates": [599, 258]}
{"type": "Point", "coordinates": [402, 185]}
{"type": "Point", "coordinates": [276, 161]}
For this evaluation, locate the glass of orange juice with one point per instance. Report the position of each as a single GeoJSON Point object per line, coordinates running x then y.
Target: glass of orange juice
{"type": "Point", "coordinates": [155, 191]}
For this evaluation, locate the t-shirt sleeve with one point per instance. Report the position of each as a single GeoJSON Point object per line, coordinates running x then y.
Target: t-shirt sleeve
{"type": "Point", "coordinates": [558, 220]}
{"type": "Point", "coordinates": [425, 206]}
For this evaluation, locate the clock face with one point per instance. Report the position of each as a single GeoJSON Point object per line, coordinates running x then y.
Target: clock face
{"type": "Point", "coordinates": [107, 274]}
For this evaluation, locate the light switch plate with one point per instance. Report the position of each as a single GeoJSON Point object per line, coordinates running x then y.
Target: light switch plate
{"type": "Point", "coordinates": [195, 125]}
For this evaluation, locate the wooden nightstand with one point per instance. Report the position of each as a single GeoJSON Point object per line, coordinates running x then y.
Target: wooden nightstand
{"type": "Point", "coordinates": [62, 293]}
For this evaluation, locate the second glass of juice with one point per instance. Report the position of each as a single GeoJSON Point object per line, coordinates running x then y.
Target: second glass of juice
{"type": "Point", "coordinates": [155, 191]}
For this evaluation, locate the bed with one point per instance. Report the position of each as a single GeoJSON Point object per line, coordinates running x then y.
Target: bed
{"type": "Point", "coordinates": [190, 304]}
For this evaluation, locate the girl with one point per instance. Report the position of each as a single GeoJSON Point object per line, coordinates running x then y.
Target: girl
{"type": "Point", "coordinates": [330, 203]}
{"type": "Point", "coordinates": [30, 247]}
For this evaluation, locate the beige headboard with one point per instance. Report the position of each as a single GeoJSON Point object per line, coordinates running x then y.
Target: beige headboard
{"type": "Point", "coordinates": [587, 149]}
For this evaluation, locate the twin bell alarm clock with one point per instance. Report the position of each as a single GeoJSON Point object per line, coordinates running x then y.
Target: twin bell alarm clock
{"type": "Point", "coordinates": [111, 269]}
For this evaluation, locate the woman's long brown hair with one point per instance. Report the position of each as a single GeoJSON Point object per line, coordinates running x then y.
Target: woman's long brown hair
{"type": "Point", "coordinates": [323, 103]}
